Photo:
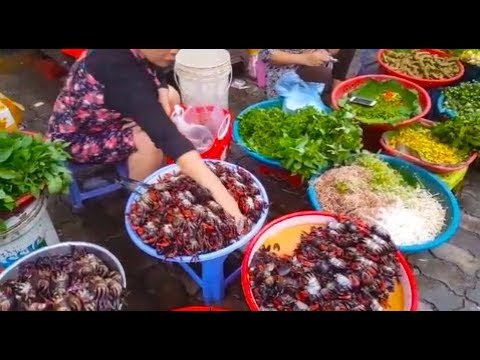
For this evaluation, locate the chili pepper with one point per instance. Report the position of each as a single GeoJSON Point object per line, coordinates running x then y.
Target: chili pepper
{"type": "Point", "coordinates": [392, 97]}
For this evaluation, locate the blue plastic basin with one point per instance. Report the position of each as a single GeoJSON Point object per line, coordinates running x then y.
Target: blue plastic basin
{"type": "Point", "coordinates": [432, 183]}
{"type": "Point", "coordinates": [267, 104]}
{"type": "Point", "coordinates": [201, 258]}
{"type": "Point", "coordinates": [442, 110]}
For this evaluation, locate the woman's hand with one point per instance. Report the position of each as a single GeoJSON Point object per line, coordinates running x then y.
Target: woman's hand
{"type": "Point", "coordinates": [191, 164]}
{"type": "Point", "coordinates": [231, 207]}
{"type": "Point", "coordinates": [315, 58]}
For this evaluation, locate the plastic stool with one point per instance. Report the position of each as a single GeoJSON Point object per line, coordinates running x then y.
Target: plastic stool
{"type": "Point", "coordinates": [211, 279]}
{"type": "Point", "coordinates": [77, 197]}
{"type": "Point", "coordinates": [213, 282]}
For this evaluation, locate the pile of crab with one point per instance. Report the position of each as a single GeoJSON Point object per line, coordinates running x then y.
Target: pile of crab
{"type": "Point", "coordinates": [178, 217]}
{"type": "Point", "coordinates": [76, 282]}
{"type": "Point", "coordinates": [338, 267]}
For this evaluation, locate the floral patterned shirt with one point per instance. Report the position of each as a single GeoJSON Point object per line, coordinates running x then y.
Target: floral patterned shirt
{"type": "Point", "coordinates": [275, 72]}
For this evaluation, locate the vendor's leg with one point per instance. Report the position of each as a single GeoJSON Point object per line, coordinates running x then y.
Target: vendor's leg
{"type": "Point", "coordinates": [146, 159]}
{"type": "Point", "coordinates": [368, 60]}
{"type": "Point", "coordinates": [341, 68]}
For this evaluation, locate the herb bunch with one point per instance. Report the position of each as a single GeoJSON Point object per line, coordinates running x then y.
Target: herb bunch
{"type": "Point", "coordinates": [305, 141]}
{"type": "Point", "coordinates": [28, 165]}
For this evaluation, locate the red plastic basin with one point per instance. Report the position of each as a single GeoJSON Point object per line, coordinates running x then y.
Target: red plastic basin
{"type": "Point", "coordinates": [407, 279]}
{"type": "Point", "coordinates": [425, 83]}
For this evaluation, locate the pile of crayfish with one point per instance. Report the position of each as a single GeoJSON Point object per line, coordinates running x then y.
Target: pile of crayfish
{"type": "Point", "coordinates": [178, 217]}
{"type": "Point", "coordinates": [77, 282]}
{"type": "Point", "coordinates": [338, 267]}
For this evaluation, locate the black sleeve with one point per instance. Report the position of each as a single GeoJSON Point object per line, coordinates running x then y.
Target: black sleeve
{"type": "Point", "coordinates": [162, 77]}
{"type": "Point", "coordinates": [130, 90]}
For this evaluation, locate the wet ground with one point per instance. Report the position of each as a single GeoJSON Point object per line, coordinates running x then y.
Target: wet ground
{"type": "Point", "coordinates": [448, 277]}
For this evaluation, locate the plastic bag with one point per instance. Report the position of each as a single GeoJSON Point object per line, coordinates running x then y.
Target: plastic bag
{"type": "Point", "coordinates": [11, 114]}
{"type": "Point", "coordinates": [200, 135]}
{"type": "Point", "coordinates": [212, 117]}
{"type": "Point", "coordinates": [298, 94]}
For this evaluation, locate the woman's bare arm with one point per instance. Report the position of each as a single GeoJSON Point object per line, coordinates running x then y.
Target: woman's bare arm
{"type": "Point", "coordinates": [281, 58]}
{"type": "Point", "coordinates": [191, 164]}
{"type": "Point", "coordinates": [310, 58]}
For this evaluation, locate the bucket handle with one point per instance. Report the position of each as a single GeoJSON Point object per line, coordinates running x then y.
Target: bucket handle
{"type": "Point", "coordinates": [230, 81]}
{"type": "Point", "coordinates": [177, 81]}
{"type": "Point", "coordinates": [223, 129]}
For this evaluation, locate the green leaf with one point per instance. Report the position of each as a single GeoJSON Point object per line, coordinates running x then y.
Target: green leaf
{"type": "Point", "coordinates": [54, 185]}
{"type": "Point", "coordinates": [4, 154]}
{"type": "Point", "coordinates": [343, 101]}
{"type": "Point", "coordinates": [386, 111]}
{"type": "Point", "coordinates": [303, 141]}
{"type": "Point", "coordinates": [25, 142]}
{"type": "Point", "coordinates": [28, 165]}
{"type": "Point", "coordinates": [8, 174]}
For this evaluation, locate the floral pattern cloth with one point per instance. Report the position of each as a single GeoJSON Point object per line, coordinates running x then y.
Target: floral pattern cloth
{"type": "Point", "coordinates": [80, 117]}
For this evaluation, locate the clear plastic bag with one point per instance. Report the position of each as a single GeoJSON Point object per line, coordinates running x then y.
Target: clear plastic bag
{"type": "Point", "coordinates": [298, 94]}
{"type": "Point", "coordinates": [200, 135]}
{"type": "Point", "coordinates": [213, 117]}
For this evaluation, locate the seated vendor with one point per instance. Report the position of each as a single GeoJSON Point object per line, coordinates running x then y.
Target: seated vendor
{"type": "Point", "coordinates": [115, 107]}
{"type": "Point", "coordinates": [312, 65]}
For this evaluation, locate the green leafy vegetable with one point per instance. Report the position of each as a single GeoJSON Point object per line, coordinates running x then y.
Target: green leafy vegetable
{"type": "Point", "coordinates": [463, 98]}
{"type": "Point", "coordinates": [395, 103]}
{"type": "Point", "coordinates": [28, 165]}
{"type": "Point", "coordinates": [384, 177]}
{"type": "Point", "coordinates": [463, 132]}
{"type": "Point", "coordinates": [304, 141]}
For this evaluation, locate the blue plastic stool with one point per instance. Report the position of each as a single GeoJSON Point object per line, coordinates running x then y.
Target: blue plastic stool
{"type": "Point", "coordinates": [77, 196]}
{"type": "Point", "coordinates": [213, 281]}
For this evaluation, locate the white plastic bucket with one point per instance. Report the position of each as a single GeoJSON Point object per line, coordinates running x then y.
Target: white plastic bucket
{"type": "Point", "coordinates": [27, 231]}
{"type": "Point", "coordinates": [203, 76]}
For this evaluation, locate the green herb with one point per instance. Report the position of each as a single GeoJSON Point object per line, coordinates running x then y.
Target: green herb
{"type": "Point", "coordinates": [384, 177]}
{"type": "Point", "coordinates": [342, 187]}
{"type": "Point", "coordinates": [304, 141]}
{"type": "Point", "coordinates": [395, 103]}
{"type": "Point", "coordinates": [463, 132]}
{"type": "Point", "coordinates": [463, 98]}
{"type": "Point", "coordinates": [28, 165]}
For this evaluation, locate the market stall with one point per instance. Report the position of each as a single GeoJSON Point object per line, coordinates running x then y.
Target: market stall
{"type": "Point", "coordinates": [345, 253]}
